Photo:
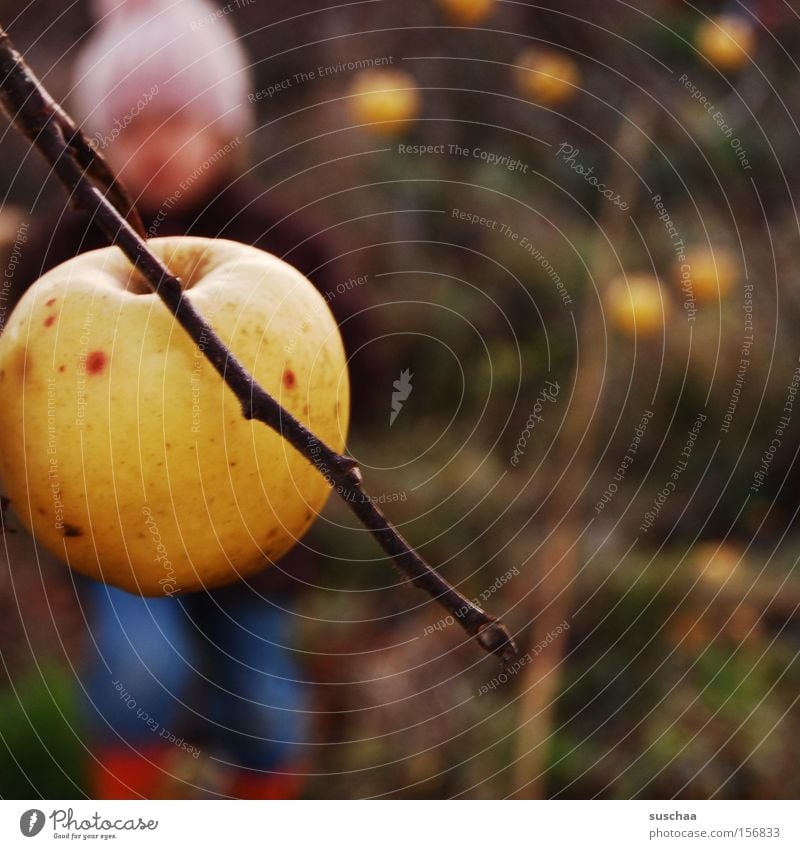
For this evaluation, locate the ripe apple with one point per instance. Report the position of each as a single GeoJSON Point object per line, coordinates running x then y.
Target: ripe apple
{"type": "Point", "coordinates": [384, 100]}
{"type": "Point", "coordinates": [726, 41]}
{"type": "Point", "coordinates": [467, 12]}
{"type": "Point", "coordinates": [711, 273]}
{"type": "Point", "coordinates": [547, 76]}
{"type": "Point", "coordinates": [636, 306]}
{"type": "Point", "coordinates": [125, 453]}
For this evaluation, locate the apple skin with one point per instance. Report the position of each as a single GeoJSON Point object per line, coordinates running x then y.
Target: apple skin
{"type": "Point", "coordinates": [467, 12]}
{"type": "Point", "coordinates": [713, 273]}
{"type": "Point", "coordinates": [123, 451]}
{"type": "Point", "coordinates": [384, 100]}
{"type": "Point", "coordinates": [546, 76]}
{"type": "Point", "coordinates": [726, 41]}
{"type": "Point", "coordinates": [636, 306]}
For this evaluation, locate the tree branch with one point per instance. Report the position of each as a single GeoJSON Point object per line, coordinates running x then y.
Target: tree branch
{"type": "Point", "coordinates": [84, 172]}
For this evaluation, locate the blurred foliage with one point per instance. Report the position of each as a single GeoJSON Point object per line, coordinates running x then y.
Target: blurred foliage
{"type": "Point", "coordinates": [41, 755]}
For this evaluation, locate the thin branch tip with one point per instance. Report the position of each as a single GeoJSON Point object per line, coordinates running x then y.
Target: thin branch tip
{"type": "Point", "coordinates": [496, 639]}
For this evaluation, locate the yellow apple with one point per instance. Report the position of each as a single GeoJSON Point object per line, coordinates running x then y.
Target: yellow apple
{"type": "Point", "coordinates": [467, 12]}
{"type": "Point", "coordinates": [636, 305]}
{"type": "Point", "coordinates": [716, 561]}
{"type": "Point", "coordinates": [384, 100]}
{"type": "Point", "coordinates": [726, 41]}
{"type": "Point", "coordinates": [125, 453]}
{"type": "Point", "coordinates": [711, 273]}
{"type": "Point", "coordinates": [547, 76]}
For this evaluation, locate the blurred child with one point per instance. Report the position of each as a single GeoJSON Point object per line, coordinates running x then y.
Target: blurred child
{"type": "Point", "coordinates": [204, 694]}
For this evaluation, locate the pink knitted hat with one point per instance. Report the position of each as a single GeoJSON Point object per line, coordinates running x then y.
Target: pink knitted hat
{"type": "Point", "coordinates": [165, 55]}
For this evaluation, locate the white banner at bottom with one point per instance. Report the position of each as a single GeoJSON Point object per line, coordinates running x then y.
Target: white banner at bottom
{"type": "Point", "coordinates": [415, 824]}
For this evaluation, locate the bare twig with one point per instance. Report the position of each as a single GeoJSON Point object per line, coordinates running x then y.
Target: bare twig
{"type": "Point", "coordinates": [83, 171]}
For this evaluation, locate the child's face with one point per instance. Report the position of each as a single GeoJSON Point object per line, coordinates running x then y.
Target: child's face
{"type": "Point", "coordinates": [162, 158]}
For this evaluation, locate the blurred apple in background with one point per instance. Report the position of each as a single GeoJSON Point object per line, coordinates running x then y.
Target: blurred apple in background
{"type": "Point", "coordinates": [549, 77]}
{"type": "Point", "coordinates": [467, 12]}
{"type": "Point", "coordinates": [125, 453]}
{"type": "Point", "coordinates": [717, 561]}
{"type": "Point", "coordinates": [384, 100]}
{"type": "Point", "coordinates": [712, 273]}
{"type": "Point", "coordinates": [745, 624]}
{"type": "Point", "coordinates": [726, 41]}
{"type": "Point", "coordinates": [636, 305]}
{"type": "Point", "coordinates": [690, 632]}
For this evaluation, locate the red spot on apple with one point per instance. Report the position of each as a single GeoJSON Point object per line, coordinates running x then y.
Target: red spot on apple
{"type": "Point", "coordinates": [96, 362]}
{"type": "Point", "coordinates": [49, 320]}
{"type": "Point", "coordinates": [61, 368]}
{"type": "Point", "coordinates": [50, 302]}
{"type": "Point", "coordinates": [289, 379]}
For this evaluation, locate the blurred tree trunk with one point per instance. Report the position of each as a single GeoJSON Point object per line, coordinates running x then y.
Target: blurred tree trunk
{"type": "Point", "coordinates": [565, 522]}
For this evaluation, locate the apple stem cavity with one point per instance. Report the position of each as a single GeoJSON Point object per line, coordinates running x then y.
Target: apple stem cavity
{"type": "Point", "coordinates": [94, 188]}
